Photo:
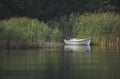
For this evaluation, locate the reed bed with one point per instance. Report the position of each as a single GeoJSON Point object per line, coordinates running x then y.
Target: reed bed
{"type": "Point", "coordinates": [104, 28]}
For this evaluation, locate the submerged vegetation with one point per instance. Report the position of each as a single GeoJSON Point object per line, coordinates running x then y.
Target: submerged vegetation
{"type": "Point", "coordinates": [104, 28]}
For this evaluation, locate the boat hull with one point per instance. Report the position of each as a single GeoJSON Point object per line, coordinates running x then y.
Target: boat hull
{"type": "Point", "coordinates": [83, 42]}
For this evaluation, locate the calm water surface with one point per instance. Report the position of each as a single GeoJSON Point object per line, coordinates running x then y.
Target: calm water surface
{"type": "Point", "coordinates": [70, 62]}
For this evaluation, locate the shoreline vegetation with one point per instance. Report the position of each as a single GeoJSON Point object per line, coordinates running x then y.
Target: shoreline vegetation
{"type": "Point", "coordinates": [24, 32]}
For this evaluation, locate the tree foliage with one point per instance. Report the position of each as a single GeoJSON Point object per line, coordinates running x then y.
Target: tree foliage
{"type": "Point", "coordinates": [48, 9]}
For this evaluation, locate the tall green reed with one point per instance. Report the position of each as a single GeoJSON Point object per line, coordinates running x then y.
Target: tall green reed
{"type": "Point", "coordinates": [102, 27]}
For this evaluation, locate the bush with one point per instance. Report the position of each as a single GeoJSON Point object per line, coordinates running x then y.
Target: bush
{"type": "Point", "coordinates": [24, 31]}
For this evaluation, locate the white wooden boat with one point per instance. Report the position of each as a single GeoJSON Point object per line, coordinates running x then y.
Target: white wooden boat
{"type": "Point", "coordinates": [86, 41]}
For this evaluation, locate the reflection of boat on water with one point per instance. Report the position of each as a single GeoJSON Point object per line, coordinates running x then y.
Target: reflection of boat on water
{"type": "Point", "coordinates": [75, 41]}
{"type": "Point", "coordinates": [77, 48]}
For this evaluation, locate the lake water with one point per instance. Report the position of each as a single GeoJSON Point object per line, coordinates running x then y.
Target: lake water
{"type": "Point", "coordinates": [69, 62]}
